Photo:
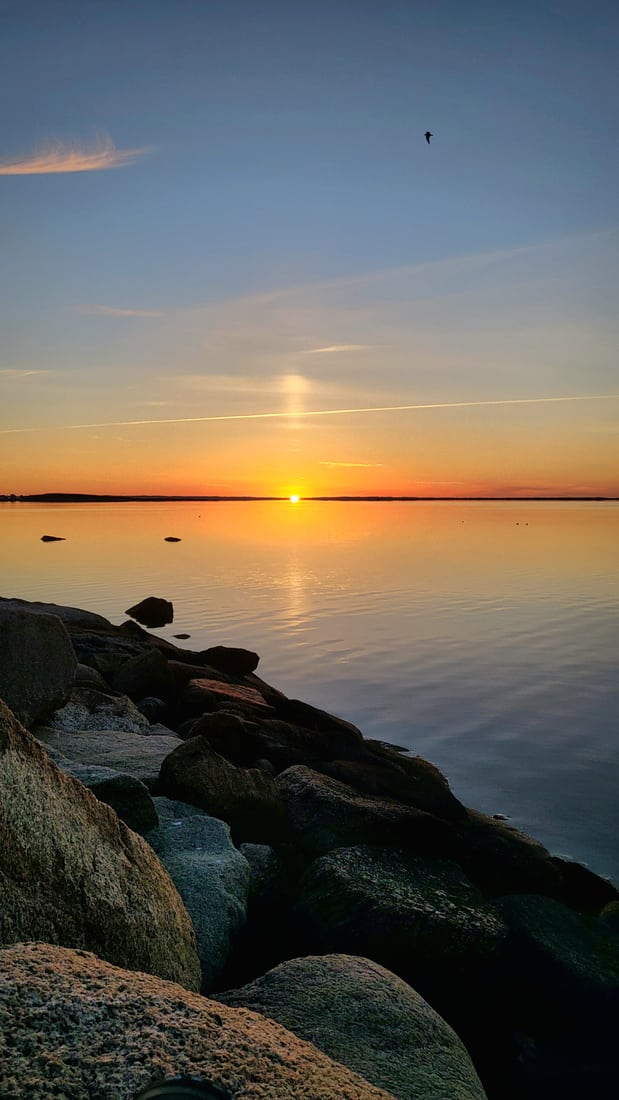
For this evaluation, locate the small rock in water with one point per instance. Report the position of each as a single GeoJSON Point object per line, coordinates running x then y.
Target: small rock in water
{"type": "Point", "coordinates": [53, 538]}
{"type": "Point", "coordinates": [183, 636]}
{"type": "Point", "coordinates": [152, 611]}
{"type": "Point", "coordinates": [171, 538]}
{"type": "Point", "coordinates": [500, 817]}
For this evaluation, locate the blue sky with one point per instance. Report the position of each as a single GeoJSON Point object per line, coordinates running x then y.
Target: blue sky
{"type": "Point", "coordinates": [270, 195]}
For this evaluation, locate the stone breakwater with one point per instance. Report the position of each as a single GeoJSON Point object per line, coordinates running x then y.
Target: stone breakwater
{"type": "Point", "coordinates": [203, 875]}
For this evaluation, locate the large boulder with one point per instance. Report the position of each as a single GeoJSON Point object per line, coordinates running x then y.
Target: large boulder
{"type": "Point", "coordinates": [143, 675]}
{"type": "Point", "coordinates": [203, 695]}
{"type": "Point", "coordinates": [137, 754]}
{"type": "Point", "coordinates": [246, 798]}
{"type": "Point", "coordinates": [234, 661]}
{"type": "Point", "coordinates": [72, 873]}
{"type": "Point", "coordinates": [365, 1017]}
{"type": "Point", "coordinates": [70, 616]}
{"type": "Point", "coordinates": [322, 813]}
{"type": "Point", "coordinates": [410, 780]}
{"type": "Point", "coordinates": [76, 1027]}
{"type": "Point", "coordinates": [211, 876]}
{"type": "Point", "coordinates": [37, 663]}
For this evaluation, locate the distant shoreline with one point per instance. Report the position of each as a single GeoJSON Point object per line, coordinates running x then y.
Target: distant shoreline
{"type": "Point", "coordinates": [98, 498]}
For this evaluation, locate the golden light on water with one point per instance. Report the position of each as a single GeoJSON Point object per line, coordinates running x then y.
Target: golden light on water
{"type": "Point", "coordinates": [294, 499]}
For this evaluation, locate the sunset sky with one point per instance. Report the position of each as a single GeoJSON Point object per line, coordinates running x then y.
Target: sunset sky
{"type": "Point", "coordinates": [231, 264]}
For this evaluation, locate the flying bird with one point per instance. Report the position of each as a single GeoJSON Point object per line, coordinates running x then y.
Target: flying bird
{"type": "Point", "coordinates": [427, 136]}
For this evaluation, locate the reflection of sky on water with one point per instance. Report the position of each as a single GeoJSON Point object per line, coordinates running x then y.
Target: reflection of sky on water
{"type": "Point", "coordinates": [482, 636]}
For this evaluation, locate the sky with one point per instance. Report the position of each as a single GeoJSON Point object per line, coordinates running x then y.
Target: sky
{"type": "Point", "coordinates": [230, 263]}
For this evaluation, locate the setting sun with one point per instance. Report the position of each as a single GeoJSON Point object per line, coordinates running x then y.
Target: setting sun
{"type": "Point", "coordinates": [294, 499]}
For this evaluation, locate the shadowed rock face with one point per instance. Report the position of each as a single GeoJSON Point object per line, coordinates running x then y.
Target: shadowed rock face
{"type": "Point", "coordinates": [37, 663]}
{"type": "Point", "coordinates": [152, 612]}
{"type": "Point", "coordinates": [74, 874]}
{"type": "Point", "coordinates": [368, 1019]}
{"type": "Point", "coordinates": [87, 1029]}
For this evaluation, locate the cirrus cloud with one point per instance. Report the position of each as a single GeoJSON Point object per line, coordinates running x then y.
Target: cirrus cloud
{"type": "Point", "coordinates": [66, 156]}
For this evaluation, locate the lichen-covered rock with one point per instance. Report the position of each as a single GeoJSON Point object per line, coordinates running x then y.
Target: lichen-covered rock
{"type": "Point", "coordinates": [368, 1019]}
{"type": "Point", "coordinates": [246, 798]}
{"type": "Point", "coordinates": [128, 796]}
{"type": "Point", "coordinates": [74, 874]}
{"type": "Point", "coordinates": [211, 876]}
{"type": "Point", "coordinates": [37, 663]}
{"type": "Point", "coordinates": [76, 1027]}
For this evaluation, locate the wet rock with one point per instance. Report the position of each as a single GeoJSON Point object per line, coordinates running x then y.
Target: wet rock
{"type": "Point", "coordinates": [246, 739]}
{"type": "Point", "coordinates": [37, 663]}
{"type": "Point", "coordinates": [84, 1029]}
{"type": "Point", "coordinates": [581, 888]}
{"type": "Point", "coordinates": [203, 695]}
{"type": "Point", "coordinates": [366, 1018]}
{"type": "Point", "coordinates": [409, 780]}
{"type": "Point", "coordinates": [52, 538]}
{"type": "Point", "coordinates": [502, 860]}
{"type": "Point", "coordinates": [170, 538]}
{"type": "Point", "coordinates": [145, 674]}
{"type": "Point", "coordinates": [152, 612]}
{"type": "Point", "coordinates": [247, 799]}
{"type": "Point", "coordinates": [181, 636]}
{"type": "Point", "coordinates": [211, 876]}
{"type": "Point", "coordinates": [74, 874]}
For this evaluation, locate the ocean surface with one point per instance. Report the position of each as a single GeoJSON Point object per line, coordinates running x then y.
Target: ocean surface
{"type": "Point", "coordinates": [482, 636]}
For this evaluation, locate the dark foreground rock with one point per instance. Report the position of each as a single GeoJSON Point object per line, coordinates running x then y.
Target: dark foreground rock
{"type": "Point", "coordinates": [37, 663]}
{"type": "Point", "coordinates": [77, 1028]}
{"type": "Point", "coordinates": [72, 873]}
{"type": "Point", "coordinates": [368, 1019]}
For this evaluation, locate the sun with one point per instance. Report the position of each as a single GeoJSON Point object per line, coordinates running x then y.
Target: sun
{"type": "Point", "coordinates": [294, 499]}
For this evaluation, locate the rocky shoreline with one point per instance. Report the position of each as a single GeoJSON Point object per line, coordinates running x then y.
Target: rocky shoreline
{"type": "Point", "coordinates": [203, 875]}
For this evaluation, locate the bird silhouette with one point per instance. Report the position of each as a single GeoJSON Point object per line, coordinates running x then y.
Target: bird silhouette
{"type": "Point", "coordinates": [427, 136]}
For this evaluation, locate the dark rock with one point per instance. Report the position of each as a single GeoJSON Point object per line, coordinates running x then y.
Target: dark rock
{"type": "Point", "coordinates": [322, 814]}
{"type": "Point", "coordinates": [170, 538]}
{"type": "Point", "coordinates": [153, 709]}
{"type": "Point", "coordinates": [152, 611]}
{"type": "Point", "coordinates": [365, 1017]}
{"type": "Point", "coordinates": [502, 860]}
{"type": "Point", "coordinates": [311, 718]}
{"type": "Point", "coordinates": [409, 780]}
{"type": "Point", "coordinates": [105, 652]}
{"type": "Point", "coordinates": [89, 677]}
{"type": "Point", "coordinates": [211, 876]}
{"type": "Point", "coordinates": [421, 918]}
{"type": "Point", "coordinates": [236, 662]}
{"type": "Point", "coordinates": [610, 917]}
{"type": "Point", "coordinates": [70, 616]}
{"type": "Point", "coordinates": [37, 663]}
{"type": "Point", "coordinates": [73, 873]}
{"type": "Point", "coordinates": [52, 538]}
{"type": "Point", "coordinates": [146, 674]}
{"type": "Point", "coordinates": [181, 636]}
{"type": "Point", "coordinates": [581, 888]}
{"type": "Point", "coordinates": [246, 739]}
{"type": "Point", "coordinates": [79, 1029]}
{"type": "Point", "coordinates": [247, 799]}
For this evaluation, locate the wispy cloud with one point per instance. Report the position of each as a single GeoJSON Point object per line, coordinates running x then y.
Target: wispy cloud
{"type": "Point", "coordinates": [338, 347]}
{"type": "Point", "coordinates": [14, 372]}
{"type": "Point", "coordinates": [66, 156]}
{"type": "Point", "coordinates": [119, 311]}
{"type": "Point", "coordinates": [365, 465]}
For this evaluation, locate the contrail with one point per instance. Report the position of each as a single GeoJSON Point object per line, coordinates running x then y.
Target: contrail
{"type": "Point", "coordinates": [317, 412]}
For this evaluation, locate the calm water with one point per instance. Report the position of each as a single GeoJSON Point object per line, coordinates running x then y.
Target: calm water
{"type": "Point", "coordinates": [482, 636]}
